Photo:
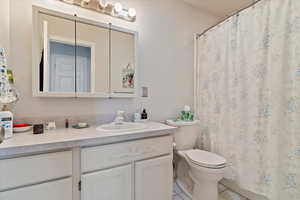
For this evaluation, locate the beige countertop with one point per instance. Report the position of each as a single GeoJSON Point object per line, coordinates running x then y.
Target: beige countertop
{"type": "Point", "coordinates": [27, 143]}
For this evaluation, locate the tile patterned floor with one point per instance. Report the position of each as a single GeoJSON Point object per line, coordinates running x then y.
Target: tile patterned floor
{"type": "Point", "coordinates": [224, 194]}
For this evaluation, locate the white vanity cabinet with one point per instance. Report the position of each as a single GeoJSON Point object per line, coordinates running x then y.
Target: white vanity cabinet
{"type": "Point", "coordinates": [139, 170]}
{"type": "Point", "coordinates": [153, 179]}
{"type": "Point", "coordinates": [115, 184]}
{"type": "Point", "coordinates": [55, 190]}
{"type": "Point", "coordinates": [45, 176]}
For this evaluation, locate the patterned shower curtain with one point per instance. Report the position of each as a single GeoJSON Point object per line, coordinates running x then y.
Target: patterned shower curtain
{"type": "Point", "coordinates": [248, 97]}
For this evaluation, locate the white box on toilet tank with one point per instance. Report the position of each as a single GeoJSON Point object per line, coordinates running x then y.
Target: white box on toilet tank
{"type": "Point", "coordinates": [6, 121]}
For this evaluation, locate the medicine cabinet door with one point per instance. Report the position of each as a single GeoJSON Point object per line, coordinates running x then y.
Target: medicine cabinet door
{"type": "Point", "coordinates": [55, 54]}
{"type": "Point", "coordinates": [123, 70]}
{"type": "Point", "coordinates": [92, 60]}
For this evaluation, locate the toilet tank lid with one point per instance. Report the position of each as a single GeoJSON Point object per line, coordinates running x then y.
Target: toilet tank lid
{"type": "Point", "coordinates": [179, 123]}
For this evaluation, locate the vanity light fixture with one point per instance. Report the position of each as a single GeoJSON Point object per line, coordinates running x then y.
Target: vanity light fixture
{"type": "Point", "coordinates": [131, 12]}
{"type": "Point", "coordinates": [118, 7]}
{"type": "Point", "coordinates": [103, 6]}
{"type": "Point", "coordinates": [103, 3]}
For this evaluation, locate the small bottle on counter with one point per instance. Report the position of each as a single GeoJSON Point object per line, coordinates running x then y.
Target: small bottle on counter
{"type": "Point", "coordinates": [67, 123]}
{"type": "Point", "coordinates": [144, 114]}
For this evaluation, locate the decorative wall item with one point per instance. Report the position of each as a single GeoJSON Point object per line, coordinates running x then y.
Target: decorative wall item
{"type": "Point", "coordinates": [128, 77]}
{"type": "Point", "coordinates": [102, 6]}
{"type": "Point", "coordinates": [7, 93]}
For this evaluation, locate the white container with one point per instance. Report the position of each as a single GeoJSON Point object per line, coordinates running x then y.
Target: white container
{"type": "Point", "coordinates": [6, 121]}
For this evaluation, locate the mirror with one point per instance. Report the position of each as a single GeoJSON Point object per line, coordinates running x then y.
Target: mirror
{"type": "Point", "coordinates": [56, 54]}
{"type": "Point", "coordinates": [122, 62]}
{"type": "Point", "coordinates": [92, 77]}
{"type": "Point", "coordinates": [75, 57]}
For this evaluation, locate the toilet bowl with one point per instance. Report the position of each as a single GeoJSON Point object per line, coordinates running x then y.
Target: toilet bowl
{"type": "Point", "coordinates": [206, 169]}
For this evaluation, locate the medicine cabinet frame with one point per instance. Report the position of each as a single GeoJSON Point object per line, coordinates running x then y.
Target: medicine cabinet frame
{"type": "Point", "coordinates": [36, 57]}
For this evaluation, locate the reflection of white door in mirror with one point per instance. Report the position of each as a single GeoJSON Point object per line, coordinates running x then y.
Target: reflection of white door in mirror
{"type": "Point", "coordinates": [61, 67]}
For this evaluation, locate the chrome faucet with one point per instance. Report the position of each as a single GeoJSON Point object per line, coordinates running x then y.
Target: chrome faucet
{"type": "Point", "coordinates": [120, 117]}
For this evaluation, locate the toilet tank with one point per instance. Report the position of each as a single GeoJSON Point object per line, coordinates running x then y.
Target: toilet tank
{"type": "Point", "coordinates": [185, 137]}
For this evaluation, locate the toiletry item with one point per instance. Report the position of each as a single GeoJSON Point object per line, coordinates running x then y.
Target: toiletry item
{"type": "Point", "coordinates": [144, 114]}
{"type": "Point", "coordinates": [67, 123]}
{"type": "Point", "coordinates": [50, 126]}
{"type": "Point", "coordinates": [187, 108]}
{"type": "Point", "coordinates": [38, 128]}
{"type": "Point", "coordinates": [136, 117]}
{"type": "Point", "coordinates": [81, 125]}
{"type": "Point", "coordinates": [6, 121]}
{"type": "Point", "coordinates": [22, 127]}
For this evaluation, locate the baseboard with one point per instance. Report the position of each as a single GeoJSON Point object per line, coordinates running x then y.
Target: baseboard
{"type": "Point", "coordinates": [231, 185]}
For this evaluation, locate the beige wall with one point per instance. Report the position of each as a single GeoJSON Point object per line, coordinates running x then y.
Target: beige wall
{"type": "Point", "coordinates": [4, 25]}
{"type": "Point", "coordinates": [166, 29]}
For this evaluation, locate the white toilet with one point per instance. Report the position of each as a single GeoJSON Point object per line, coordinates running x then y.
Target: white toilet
{"type": "Point", "coordinates": [206, 168]}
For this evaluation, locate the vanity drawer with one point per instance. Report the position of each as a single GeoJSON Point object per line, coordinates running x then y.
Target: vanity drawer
{"type": "Point", "coordinates": [56, 190]}
{"type": "Point", "coordinates": [28, 170]}
{"type": "Point", "coordinates": [95, 158]}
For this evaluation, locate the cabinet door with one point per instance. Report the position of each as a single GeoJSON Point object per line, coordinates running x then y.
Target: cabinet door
{"type": "Point", "coordinates": [56, 190]}
{"type": "Point", "coordinates": [92, 76]}
{"type": "Point", "coordinates": [153, 179]}
{"type": "Point", "coordinates": [122, 62]}
{"type": "Point", "coordinates": [110, 184]}
{"type": "Point", "coordinates": [56, 55]}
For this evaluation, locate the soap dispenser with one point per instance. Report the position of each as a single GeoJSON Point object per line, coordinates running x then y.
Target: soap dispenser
{"type": "Point", "coordinates": [144, 114]}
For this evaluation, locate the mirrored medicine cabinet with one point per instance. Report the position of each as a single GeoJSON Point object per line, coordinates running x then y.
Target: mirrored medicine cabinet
{"type": "Point", "coordinates": [76, 57]}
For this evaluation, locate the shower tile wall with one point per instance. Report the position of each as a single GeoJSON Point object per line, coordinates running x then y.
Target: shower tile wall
{"type": "Point", "coordinates": [224, 194]}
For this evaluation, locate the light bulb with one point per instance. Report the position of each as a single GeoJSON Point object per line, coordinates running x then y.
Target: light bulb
{"type": "Point", "coordinates": [118, 7]}
{"type": "Point", "coordinates": [131, 12]}
{"type": "Point", "coordinates": [103, 3]}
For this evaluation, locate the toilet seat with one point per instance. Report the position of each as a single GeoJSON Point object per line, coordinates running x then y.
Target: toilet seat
{"type": "Point", "coordinates": [206, 159]}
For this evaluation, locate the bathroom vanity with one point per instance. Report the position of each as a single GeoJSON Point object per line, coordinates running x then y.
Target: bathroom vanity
{"type": "Point", "coordinates": [87, 164]}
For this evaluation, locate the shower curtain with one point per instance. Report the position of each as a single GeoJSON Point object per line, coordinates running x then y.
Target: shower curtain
{"type": "Point", "coordinates": [248, 96]}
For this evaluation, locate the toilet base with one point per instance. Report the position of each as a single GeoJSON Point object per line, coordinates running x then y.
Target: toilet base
{"type": "Point", "coordinates": [205, 191]}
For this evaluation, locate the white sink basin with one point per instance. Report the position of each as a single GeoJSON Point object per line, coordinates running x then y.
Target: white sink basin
{"type": "Point", "coordinates": [121, 127]}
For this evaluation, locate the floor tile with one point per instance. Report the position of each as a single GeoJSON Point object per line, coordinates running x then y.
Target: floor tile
{"type": "Point", "coordinates": [177, 197]}
{"type": "Point", "coordinates": [224, 194]}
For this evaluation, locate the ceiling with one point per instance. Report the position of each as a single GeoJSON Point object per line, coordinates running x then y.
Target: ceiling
{"type": "Point", "coordinates": [220, 8]}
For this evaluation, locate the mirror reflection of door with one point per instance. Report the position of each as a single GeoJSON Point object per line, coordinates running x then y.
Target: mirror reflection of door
{"type": "Point", "coordinates": [83, 68]}
{"type": "Point", "coordinates": [61, 68]}
{"type": "Point", "coordinates": [57, 66]}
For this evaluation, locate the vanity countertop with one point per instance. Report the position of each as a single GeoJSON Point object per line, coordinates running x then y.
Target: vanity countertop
{"type": "Point", "coordinates": [26, 143]}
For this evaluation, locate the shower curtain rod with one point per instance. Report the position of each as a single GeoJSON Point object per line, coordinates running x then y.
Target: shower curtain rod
{"type": "Point", "coordinates": [238, 11]}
